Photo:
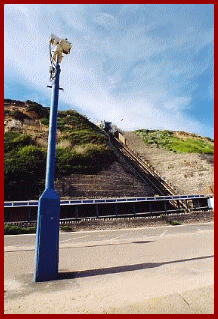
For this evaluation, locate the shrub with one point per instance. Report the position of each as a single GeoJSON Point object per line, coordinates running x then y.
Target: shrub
{"type": "Point", "coordinates": [18, 115]}
{"type": "Point", "coordinates": [66, 228]}
{"type": "Point", "coordinates": [16, 230]}
{"type": "Point", "coordinates": [79, 137]}
{"type": "Point", "coordinates": [38, 109]}
{"type": "Point", "coordinates": [23, 171]}
{"type": "Point", "coordinates": [162, 216]}
{"type": "Point", "coordinates": [64, 161]}
{"type": "Point", "coordinates": [45, 121]}
{"type": "Point", "coordinates": [14, 140]}
{"type": "Point", "coordinates": [61, 125]}
{"type": "Point", "coordinates": [87, 158]}
{"type": "Point", "coordinates": [174, 222]}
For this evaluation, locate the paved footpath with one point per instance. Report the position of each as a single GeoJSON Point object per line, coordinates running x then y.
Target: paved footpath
{"type": "Point", "coordinates": [131, 271]}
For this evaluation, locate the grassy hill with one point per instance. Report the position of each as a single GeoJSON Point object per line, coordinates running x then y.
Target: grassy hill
{"type": "Point", "coordinates": [176, 141]}
{"type": "Point", "coordinates": [184, 160]}
{"type": "Point", "coordinates": [81, 147]}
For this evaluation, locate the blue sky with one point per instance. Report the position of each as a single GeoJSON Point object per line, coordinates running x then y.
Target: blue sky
{"type": "Point", "coordinates": [139, 66]}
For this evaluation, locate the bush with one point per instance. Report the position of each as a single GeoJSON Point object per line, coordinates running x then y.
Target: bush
{"type": "Point", "coordinates": [162, 216]}
{"type": "Point", "coordinates": [66, 228]}
{"type": "Point", "coordinates": [24, 171]}
{"type": "Point", "coordinates": [16, 230]}
{"type": "Point", "coordinates": [29, 160]}
{"type": "Point", "coordinates": [38, 109]}
{"type": "Point", "coordinates": [87, 158]}
{"type": "Point", "coordinates": [18, 115]}
{"type": "Point", "coordinates": [85, 136]}
{"type": "Point", "coordinates": [61, 125]}
{"type": "Point", "coordinates": [174, 222]}
{"type": "Point", "coordinates": [45, 121]}
{"type": "Point", "coordinates": [14, 140]}
{"type": "Point", "coordinates": [65, 159]}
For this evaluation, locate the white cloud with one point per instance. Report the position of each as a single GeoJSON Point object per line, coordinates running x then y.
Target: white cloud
{"type": "Point", "coordinates": [178, 103]}
{"type": "Point", "coordinates": [106, 20]}
{"type": "Point", "coordinates": [136, 62]}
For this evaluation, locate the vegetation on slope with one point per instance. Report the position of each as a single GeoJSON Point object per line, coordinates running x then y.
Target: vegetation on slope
{"type": "Point", "coordinates": [179, 142]}
{"type": "Point", "coordinates": [81, 148]}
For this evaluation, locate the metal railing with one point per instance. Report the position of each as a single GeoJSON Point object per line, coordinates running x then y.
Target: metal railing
{"type": "Point", "coordinates": [74, 210]}
{"type": "Point", "coordinates": [63, 202]}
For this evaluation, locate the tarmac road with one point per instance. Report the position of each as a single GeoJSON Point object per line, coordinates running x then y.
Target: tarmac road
{"type": "Point", "coordinates": [140, 270]}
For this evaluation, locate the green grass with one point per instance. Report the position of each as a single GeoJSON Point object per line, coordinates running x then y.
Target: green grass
{"type": "Point", "coordinates": [24, 171]}
{"type": "Point", "coordinates": [66, 228]}
{"type": "Point", "coordinates": [84, 136]}
{"type": "Point", "coordinates": [87, 152]}
{"type": "Point", "coordinates": [17, 230]}
{"type": "Point", "coordinates": [15, 140]}
{"type": "Point", "coordinates": [166, 139]}
{"type": "Point", "coordinates": [174, 223]}
{"type": "Point", "coordinates": [44, 121]}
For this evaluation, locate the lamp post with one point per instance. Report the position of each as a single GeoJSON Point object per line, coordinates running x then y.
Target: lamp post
{"type": "Point", "coordinates": [47, 232]}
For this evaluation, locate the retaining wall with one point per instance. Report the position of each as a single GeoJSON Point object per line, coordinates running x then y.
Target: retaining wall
{"type": "Point", "coordinates": [119, 223]}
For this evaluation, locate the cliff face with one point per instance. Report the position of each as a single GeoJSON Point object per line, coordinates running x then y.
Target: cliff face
{"type": "Point", "coordinates": [189, 173]}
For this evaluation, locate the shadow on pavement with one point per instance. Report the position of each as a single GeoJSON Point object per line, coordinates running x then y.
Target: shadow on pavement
{"type": "Point", "coordinates": [24, 284]}
{"type": "Point", "coordinates": [118, 244]}
{"type": "Point", "coordinates": [118, 269]}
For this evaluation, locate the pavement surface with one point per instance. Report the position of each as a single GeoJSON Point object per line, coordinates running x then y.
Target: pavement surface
{"type": "Point", "coordinates": [162, 270]}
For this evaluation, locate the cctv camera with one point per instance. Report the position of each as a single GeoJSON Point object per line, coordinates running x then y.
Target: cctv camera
{"type": "Point", "coordinates": [61, 46]}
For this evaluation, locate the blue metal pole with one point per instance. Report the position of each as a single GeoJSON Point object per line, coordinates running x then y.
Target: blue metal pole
{"type": "Point", "coordinates": [50, 166]}
{"type": "Point", "coordinates": [47, 232]}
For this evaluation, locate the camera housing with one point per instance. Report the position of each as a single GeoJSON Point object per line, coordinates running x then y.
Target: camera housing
{"type": "Point", "coordinates": [60, 46]}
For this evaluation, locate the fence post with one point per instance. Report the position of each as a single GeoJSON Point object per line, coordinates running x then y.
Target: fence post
{"type": "Point", "coordinates": [165, 206]}
{"type": "Point", "coordinates": [96, 209]}
{"type": "Point", "coordinates": [76, 212]}
{"type": "Point", "coordinates": [116, 210]}
{"type": "Point", "coordinates": [28, 215]}
{"type": "Point", "coordinates": [178, 204]}
{"type": "Point", "coordinates": [150, 209]}
{"type": "Point", "coordinates": [134, 211]}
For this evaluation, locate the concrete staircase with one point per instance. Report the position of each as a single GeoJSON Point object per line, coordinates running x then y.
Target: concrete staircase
{"type": "Point", "coordinates": [115, 181]}
{"type": "Point", "coordinates": [185, 173]}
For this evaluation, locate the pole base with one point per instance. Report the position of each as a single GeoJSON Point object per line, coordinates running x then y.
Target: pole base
{"type": "Point", "coordinates": [47, 237]}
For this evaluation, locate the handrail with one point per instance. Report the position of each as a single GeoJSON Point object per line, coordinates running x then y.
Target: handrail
{"type": "Point", "coordinates": [118, 200]}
